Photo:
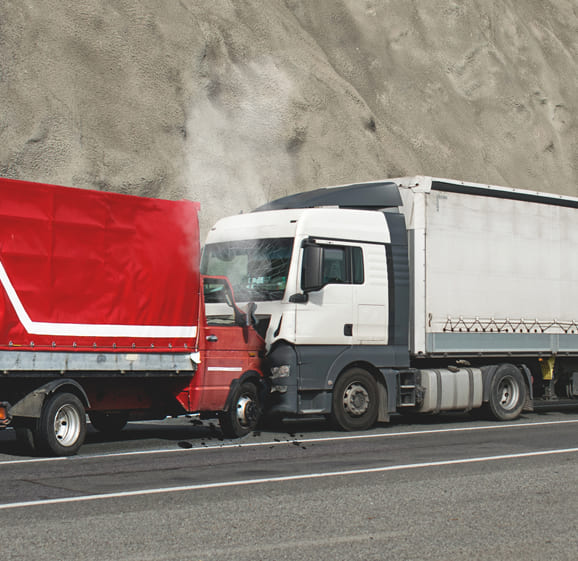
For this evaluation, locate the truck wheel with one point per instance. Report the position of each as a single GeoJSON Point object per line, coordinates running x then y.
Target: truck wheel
{"type": "Point", "coordinates": [243, 415]}
{"type": "Point", "coordinates": [108, 423]}
{"type": "Point", "coordinates": [507, 394]}
{"type": "Point", "coordinates": [62, 425]}
{"type": "Point", "coordinates": [355, 402]}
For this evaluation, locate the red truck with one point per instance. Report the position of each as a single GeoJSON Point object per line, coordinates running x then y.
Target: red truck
{"type": "Point", "coordinates": [102, 311]}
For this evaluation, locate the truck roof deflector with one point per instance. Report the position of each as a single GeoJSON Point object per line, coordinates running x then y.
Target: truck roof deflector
{"type": "Point", "coordinates": [372, 195]}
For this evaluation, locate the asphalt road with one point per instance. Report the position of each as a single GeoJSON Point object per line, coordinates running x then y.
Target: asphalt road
{"type": "Point", "coordinates": [439, 488]}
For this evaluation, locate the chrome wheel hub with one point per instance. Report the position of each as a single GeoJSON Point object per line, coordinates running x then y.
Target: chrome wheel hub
{"type": "Point", "coordinates": [246, 411]}
{"type": "Point", "coordinates": [67, 425]}
{"type": "Point", "coordinates": [508, 393]}
{"type": "Point", "coordinates": [356, 399]}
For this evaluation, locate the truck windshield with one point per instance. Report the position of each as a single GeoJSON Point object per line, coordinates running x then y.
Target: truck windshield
{"type": "Point", "coordinates": [256, 269]}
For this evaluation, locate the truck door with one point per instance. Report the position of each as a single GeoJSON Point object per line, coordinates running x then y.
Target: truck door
{"type": "Point", "coordinates": [330, 313]}
{"type": "Point", "coordinates": [347, 302]}
{"type": "Point", "coordinates": [228, 345]}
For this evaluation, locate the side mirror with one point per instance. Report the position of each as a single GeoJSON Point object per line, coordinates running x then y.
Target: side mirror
{"type": "Point", "coordinates": [311, 272]}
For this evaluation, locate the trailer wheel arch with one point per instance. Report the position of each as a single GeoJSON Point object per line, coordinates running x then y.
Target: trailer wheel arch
{"type": "Point", "coordinates": [30, 405]}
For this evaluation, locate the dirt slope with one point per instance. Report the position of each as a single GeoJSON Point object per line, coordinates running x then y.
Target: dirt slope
{"type": "Point", "coordinates": [233, 102]}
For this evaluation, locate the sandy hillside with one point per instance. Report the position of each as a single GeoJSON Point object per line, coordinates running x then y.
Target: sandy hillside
{"type": "Point", "coordinates": [233, 102]}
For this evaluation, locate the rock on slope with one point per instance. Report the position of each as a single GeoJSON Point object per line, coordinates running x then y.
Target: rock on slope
{"type": "Point", "coordinates": [233, 102]}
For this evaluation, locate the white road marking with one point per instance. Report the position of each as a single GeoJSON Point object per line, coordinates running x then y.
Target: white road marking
{"type": "Point", "coordinates": [32, 461]}
{"type": "Point", "coordinates": [243, 482]}
{"type": "Point", "coordinates": [241, 444]}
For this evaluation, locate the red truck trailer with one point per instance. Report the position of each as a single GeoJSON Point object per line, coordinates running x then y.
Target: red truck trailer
{"type": "Point", "coordinates": [102, 311]}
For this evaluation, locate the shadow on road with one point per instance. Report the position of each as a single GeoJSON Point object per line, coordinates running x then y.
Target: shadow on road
{"type": "Point", "coordinates": [191, 433]}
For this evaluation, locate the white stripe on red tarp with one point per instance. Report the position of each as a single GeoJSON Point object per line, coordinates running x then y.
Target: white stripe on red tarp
{"type": "Point", "coordinates": [89, 329]}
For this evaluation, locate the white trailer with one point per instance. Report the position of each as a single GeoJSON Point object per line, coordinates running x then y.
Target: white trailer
{"type": "Point", "coordinates": [493, 270]}
{"type": "Point", "coordinates": [411, 294]}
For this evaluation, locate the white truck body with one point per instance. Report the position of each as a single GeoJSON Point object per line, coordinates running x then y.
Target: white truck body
{"type": "Point", "coordinates": [491, 274]}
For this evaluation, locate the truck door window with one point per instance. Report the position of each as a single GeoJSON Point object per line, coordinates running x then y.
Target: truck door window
{"type": "Point", "coordinates": [334, 265]}
{"type": "Point", "coordinates": [216, 291]}
{"type": "Point", "coordinates": [342, 265]}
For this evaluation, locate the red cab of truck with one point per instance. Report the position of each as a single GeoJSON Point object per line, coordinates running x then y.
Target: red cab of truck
{"type": "Point", "coordinates": [102, 310]}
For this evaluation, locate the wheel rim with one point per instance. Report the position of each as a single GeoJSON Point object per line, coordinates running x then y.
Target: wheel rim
{"type": "Point", "coordinates": [356, 399]}
{"type": "Point", "coordinates": [67, 425]}
{"type": "Point", "coordinates": [508, 393]}
{"type": "Point", "coordinates": [246, 410]}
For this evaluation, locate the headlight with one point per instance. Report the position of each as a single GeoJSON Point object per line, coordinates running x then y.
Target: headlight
{"type": "Point", "coordinates": [282, 371]}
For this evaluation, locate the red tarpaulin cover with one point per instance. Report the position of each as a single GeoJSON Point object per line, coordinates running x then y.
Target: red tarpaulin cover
{"type": "Point", "coordinates": [91, 270]}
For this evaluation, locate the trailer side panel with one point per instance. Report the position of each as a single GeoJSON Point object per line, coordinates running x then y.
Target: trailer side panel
{"type": "Point", "coordinates": [84, 270]}
{"type": "Point", "coordinates": [500, 275]}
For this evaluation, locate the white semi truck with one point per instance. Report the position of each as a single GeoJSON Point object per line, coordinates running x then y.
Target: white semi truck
{"type": "Point", "coordinates": [414, 294]}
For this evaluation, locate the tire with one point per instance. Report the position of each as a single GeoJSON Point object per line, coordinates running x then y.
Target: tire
{"type": "Point", "coordinates": [355, 400]}
{"type": "Point", "coordinates": [108, 423]}
{"type": "Point", "coordinates": [244, 413]}
{"type": "Point", "coordinates": [62, 425]}
{"type": "Point", "coordinates": [507, 394]}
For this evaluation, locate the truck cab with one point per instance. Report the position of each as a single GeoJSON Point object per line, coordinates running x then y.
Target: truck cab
{"type": "Point", "coordinates": [330, 286]}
